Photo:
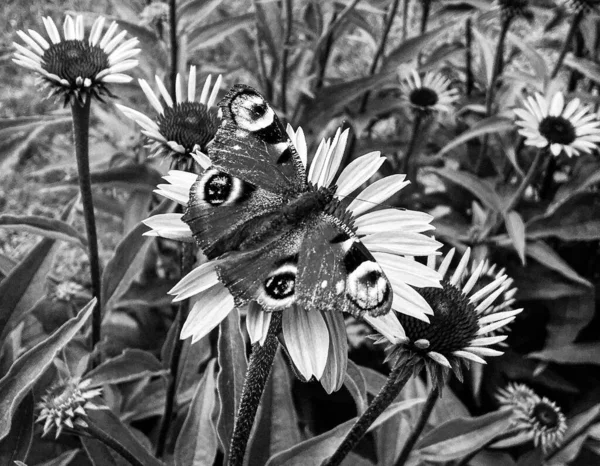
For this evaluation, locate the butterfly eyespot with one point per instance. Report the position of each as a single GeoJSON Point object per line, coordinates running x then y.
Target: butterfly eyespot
{"type": "Point", "coordinates": [279, 287]}
{"type": "Point", "coordinates": [251, 112]}
{"type": "Point", "coordinates": [368, 288]}
{"type": "Point", "coordinates": [219, 188]}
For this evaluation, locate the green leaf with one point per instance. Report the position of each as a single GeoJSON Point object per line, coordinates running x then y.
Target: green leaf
{"type": "Point", "coordinates": [232, 372]}
{"type": "Point", "coordinates": [98, 453]}
{"type": "Point", "coordinates": [270, 28]}
{"type": "Point", "coordinates": [277, 426]}
{"type": "Point", "coordinates": [63, 459]}
{"type": "Point", "coordinates": [545, 255]}
{"type": "Point", "coordinates": [193, 13]}
{"type": "Point", "coordinates": [576, 353]}
{"type": "Point", "coordinates": [487, 55]}
{"type": "Point", "coordinates": [459, 437]}
{"type": "Point", "coordinates": [479, 188]}
{"type": "Point", "coordinates": [567, 317]}
{"type": "Point", "coordinates": [534, 59]}
{"type": "Point", "coordinates": [44, 226]}
{"type": "Point", "coordinates": [317, 449]}
{"type": "Point", "coordinates": [337, 359]}
{"type": "Point", "coordinates": [131, 177]}
{"type": "Point", "coordinates": [212, 34]}
{"type": "Point", "coordinates": [516, 231]}
{"type": "Point", "coordinates": [111, 426]}
{"type": "Point", "coordinates": [357, 386]}
{"type": "Point", "coordinates": [31, 365]}
{"type": "Point", "coordinates": [586, 67]}
{"type": "Point", "coordinates": [15, 446]}
{"type": "Point", "coordinates": [131, 365]}
{"type": "Point", "coordinates": [586, 174]}
{"type": "Point", "coordinates": [577, 219]}
{"type": "Point", "coordinates": [491, 125]}
{"type": "Point", "coordinates": [127, 261]}
{"type": "Point", "coordinates": [538, 282]}
{"type": "Point", "coordinates": [197, 443]}
{"type": "Point", "coordinates": [25, 284]}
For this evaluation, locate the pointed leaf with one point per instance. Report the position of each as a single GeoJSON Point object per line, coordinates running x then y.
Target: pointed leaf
{"type": "Point", "coordinates": [516, 231]}
{"type": "Point", "coordinates": [317, 449]}
{"type": "Point", "coordinates": [576, 353]}
{"type": "Point", "coordinates": [457, 438]}
{"type": "Point", "coordinates": [479, 188]}
{"type": "Point", "coordinates": [44, 226]}
{"type": "Point", "coordinates": [127, 260]}
{"type": "Point", "coordinates": [357, 386]}
{"type": "Point", "coordinates": [15, 446]}
{"type": "Point", "coordinates": [193, 13]}
{"type": "Point", "coordinates": [32, 364]}
{"type": "Point", "coordinates": [545, 255]}
{"type": "Point", "coordinates": [232, 371]}
{"type": "Point", "coordinates": [209, 35]}
{"type": "Point", "coordinates": [98, 453]}
{"type": "Point", "coordinates": [111, 426]}
{"type": "Point", "coordinates": [493, 124]}
{"type": "Point", "coordinates": [130, 365]}
{"type": "Point", "coordinates": [197, 443]}
{"type": "Point", "coordinates": [588, 68]}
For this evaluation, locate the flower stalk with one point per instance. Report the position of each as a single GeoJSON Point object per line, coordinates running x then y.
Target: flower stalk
{"type": "Point", "coordinates": [97, 433]}
{"type": "Point", "coordinates": [533, 169]}
{"type": "Point", "coordinates": [410, 167]}
{"type": "Point", "coordinates": [259, 368]}
{"type": "Point", "coordinates": [432, 398]}
{"type": "Point", "coordinates": [570, 34]}
{"type": "Point", "coordinates": [393, 386]}
{"type": "Point", "coordinates": [174, 45]}
{"type": "Point", "coordinates": [81, 129]}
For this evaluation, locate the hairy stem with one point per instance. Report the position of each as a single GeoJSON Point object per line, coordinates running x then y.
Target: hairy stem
{"type": "Point", "coordinates": [563, 52]}
{"type": "Point", "coordinates": [285, 53]}
{"type": "Point", "coordinates": [388, 393]}
{"type": "Point", "coordinates": [81, 131]}
{"type": "Point", "coordinates": [470, 82]}
{"type": "Point", "coordinates": [259, 368]}
{"type": "Point", "coordinates": [496, 72]}
{"type": "Point", "coordinates": [100, 435]}
{"type": "Point", "coordinates": [533, 169]}
{"type": "Point", "coordinates": [174, 45]}
{"type": "Point", "coordinates": [410, 167]}
{"type": "Point", "coordinates": [380, 49]}
{"type": "Point", "coordinates": [432, 398]}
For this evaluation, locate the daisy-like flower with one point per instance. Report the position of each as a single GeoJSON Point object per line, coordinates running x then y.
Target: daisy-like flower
{"type": "Point", "coordinates": [75, 68]}
{"type": "Point", "coordinates": [393, 237]}
{"type": "Point", "coordinates": [65, 405]}
{"type": "Point", "coordinates": [552, 125]}
{"type": "Point", "coordinates": [460, 328]}
{"type": "Point", "coordinates": [183, 126]}
{"type": "Point", "coordinates": [510, 9]}
{"type": "Point", "coordinates": [427, 95]}
{"type": "Point", "coordinates": [536, 418]}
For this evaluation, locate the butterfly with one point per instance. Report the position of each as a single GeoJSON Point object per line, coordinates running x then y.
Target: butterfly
{"type": "Point", "coordinates": [276, 238]}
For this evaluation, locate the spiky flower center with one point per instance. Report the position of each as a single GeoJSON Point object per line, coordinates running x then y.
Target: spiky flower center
{"type": "Point", "coordinates": [188, 124]}
{"type": "Point", "coordinates": [72, 59]}
{"type": "Point", "coordinates": [557, 130]}
{"type": "Point", "coordinates": [423, 97]}
{"type": "Point", "coordinates": [453, 325]}
{"type": "Point", "coordinates": [546, 415]}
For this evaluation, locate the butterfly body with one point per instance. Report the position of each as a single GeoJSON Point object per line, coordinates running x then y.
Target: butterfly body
{"type": "Point", "coordinates": [277, 239]}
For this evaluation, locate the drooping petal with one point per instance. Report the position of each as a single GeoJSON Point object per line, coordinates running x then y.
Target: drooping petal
{"type": "Point", "coordinates": [198, 280]}
{"type": "Point", "coordinates": [169, 226]}
{"type": "Point", "coordinates": [207, 312]}
{"type": "Point", "coordinates": [337, 359]}
{"type": "Point", "coordinates": [388, 325]}
{"type": "Point", "coordinates": [307, 340]}
{"type": "Point", "coordinates": [257, 323]}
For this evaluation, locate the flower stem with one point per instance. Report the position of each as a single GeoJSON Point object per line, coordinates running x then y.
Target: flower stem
{"type": "Point", "coordinates": [380, 49]}
{"type": "Point", "coordinates": [425, 15]}
{"type": "Point", "coordinates": [388, 393]}
{"type": "Point", "coordinates": [100, 435]}
{"type": "Point", "coordinates": [561, 57]}
{"type": "Point", "coordinates": [548, 182]}
{"type": "Point", "coordinates": [81, 131]}
{"type": "Point", "coordinates": [496, 71]}
{"type": "Point", "coordinates": [259, 368]}
{"type": "Point", "coordinates": [410, 167]}
{"type": "Point", "coordinates": [432, 398]}
{"type": "Point", "coordinates": [405, 6]}
{"type": "Point", "coordinates": [470, 83]}
{"type": "Point", "coordinates": [514, 201]}
{"type": "Point", "coordinates": [285, 53]}
{"type": "Point", "coordinates": [174, 44]}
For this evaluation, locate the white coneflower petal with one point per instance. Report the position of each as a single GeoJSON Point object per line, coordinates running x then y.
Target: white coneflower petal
{"type": "Point", "coordinates": [358, 172]}
{"type": "Point", "coordinates": [406, 297]}
{"type": "Point", "coordinates": [163, 91]}
{"type": "Point", "coordinates": [461, 267]}
{"type": "Point", "coordinates": [191, 96]}
{"type": "Point", "coordinates": [439, 358]}
{"type": "Point", "coordinates": [151, 96]}
{"type": "Point", "coordinates": [387, 325]}
{"type": "Point", "coordinates": [486, 341]}
{"type": "Point", "coordinates": [393, 220]}
{"type": "Point", "coordinates": [169, 226]}
{"type": "Point", "coordinates": [377, 193]}
{"type": "Point", "coordinates": [303, 330]}
{"type": "Point", "coordinates": [195, 282]}
{"type": "Point", "coordinates": [211, 307]}
{"type": "Point", "coordinates": [429, 95]}
{"type": "Point", "coordinates": [408, 271]}
{"type": "Point", "coordinates": [470, 356]}
{"type": "Point", "coordinates": [205, 90]}
{"type": "Point", "coordinates": [96, 30]}
{"type": "Point", "coordinates": [409, 244]}
{"type": "Point", "coordinates": [299, 141]}
{"type": "Point", "coordinates": [257, 323]}
{"type": "Point", "coordinates": [215, 91]}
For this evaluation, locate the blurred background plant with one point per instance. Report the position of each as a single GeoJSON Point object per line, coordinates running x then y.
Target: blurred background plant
{"type": "Point", "coordinates": [533, 213]}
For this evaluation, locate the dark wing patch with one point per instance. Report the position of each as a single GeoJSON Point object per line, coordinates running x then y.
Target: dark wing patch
{"type": "Point", "coordinates": [252, 145]}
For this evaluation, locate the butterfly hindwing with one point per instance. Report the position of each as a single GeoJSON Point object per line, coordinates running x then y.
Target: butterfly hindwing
{"type": "Point", "coordinates": [336, 272]}
{"type": "Point", "coordinates": [252, 145]}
